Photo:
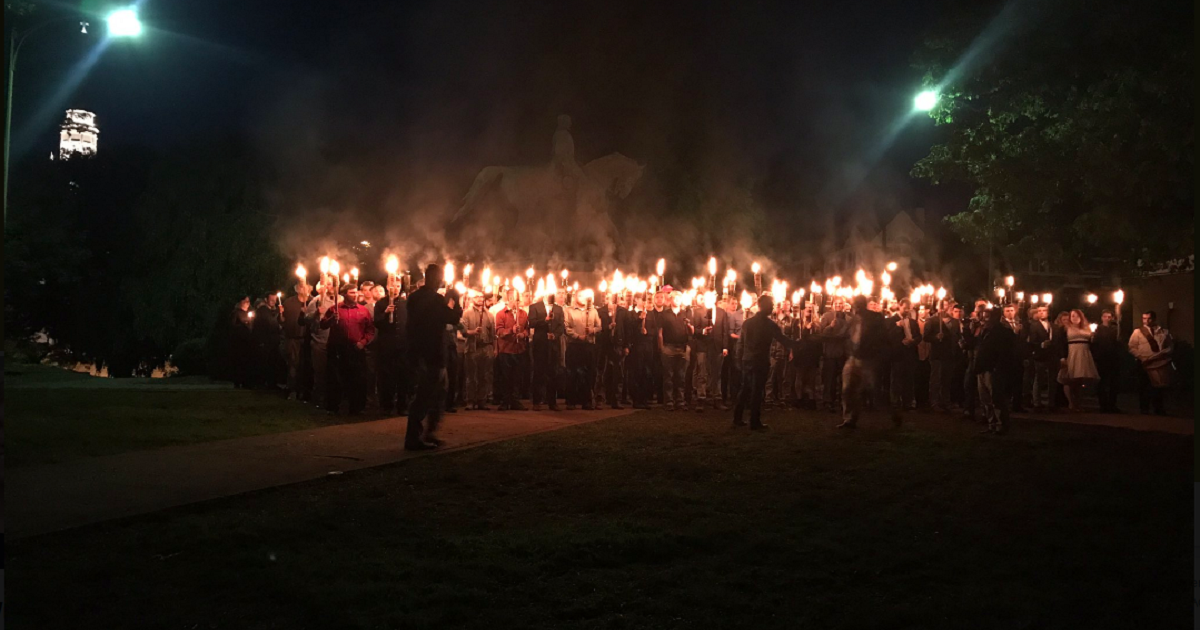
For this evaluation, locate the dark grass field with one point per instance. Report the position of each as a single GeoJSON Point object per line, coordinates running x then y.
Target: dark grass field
{"type": "Point", "coordinates": [55, 416]}
{"type": "Point", "coordinates": [663, 520]}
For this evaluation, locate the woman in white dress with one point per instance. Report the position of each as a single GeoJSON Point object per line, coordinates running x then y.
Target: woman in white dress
{"type": "Point", "coordinates": [1081, 369]}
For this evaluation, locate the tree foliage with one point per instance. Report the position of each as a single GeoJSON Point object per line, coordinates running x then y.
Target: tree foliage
{"type": "Point", "coordinates": [1073, 121]}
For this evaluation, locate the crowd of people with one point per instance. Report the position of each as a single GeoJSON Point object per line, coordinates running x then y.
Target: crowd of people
{"type": "Point", "coordinates": [434, 350]}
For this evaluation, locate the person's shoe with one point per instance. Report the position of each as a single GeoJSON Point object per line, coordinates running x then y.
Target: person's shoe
{"type": "Point", "coordinates": [669, 406]}
{"type": "Point", "coordinates": [985, 430]}
{"type": "Point", "coordinates": [419, 446]}
{"type": "Point", "coordinates": [570, 407]}
{"type": "Point", "coordinates": [589, 408]}
{"type": "Point", "coordinates": [451, 410]}
{"type": "Point", "coordinates": [699, 408]}
{"type": "Point", "coordinates": [846, 424]}
{"type": "Point", "coordinates": [553, 407]}
{"type": "Point", "coordinates": [617, 406]}
{"type": "Point", "coordinates": [537, 407]}
{"type": "Point", "coordinates": [739, 423]}
{"type": "Point", "coordinates": [759, 427]}
{"type": "Point", "coordinates": [641, 406]}
{"type": "Point", "coordinates": [519, 407]}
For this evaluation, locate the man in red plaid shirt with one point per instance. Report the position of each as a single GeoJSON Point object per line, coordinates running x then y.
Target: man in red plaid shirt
{"type": "Point", "coordinates": [512, 331]}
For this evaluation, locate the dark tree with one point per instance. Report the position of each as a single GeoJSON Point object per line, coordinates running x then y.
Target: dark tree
{"type": "Point", "coordinates": [1072, 121]}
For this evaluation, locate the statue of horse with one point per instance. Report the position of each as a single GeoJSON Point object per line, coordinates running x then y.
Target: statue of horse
{"type": "Point", "coordinates": [536, 191]}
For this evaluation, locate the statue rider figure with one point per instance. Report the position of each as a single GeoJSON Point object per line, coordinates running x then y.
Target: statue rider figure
{"type": "Point", "coordinates": [565, 167]}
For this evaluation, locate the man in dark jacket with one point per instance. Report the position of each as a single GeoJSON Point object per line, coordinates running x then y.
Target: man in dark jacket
{"type": "Point", "coordinates": [429, 312]}
{"type": "Point", "coordinates": [295, 333]}
{"type": "Point", "coordinates": [1106, 350]}
{"type": "Point", "coordinates": [391, 348]}
{"type": "Point", "coordinates": [995, 368]}
{"type": "Point", "coordinates": [1043, 362]}
{"type": "Point", "coordinates": [268, 340]}
{"type": "Point", "coordinates": [868, 346]}
{"type": "Point", "coordinates": [905, 336]}
{"type": "Point", "coordinates": [611, 348]}
{"type": "Point", "coordinates": [833, 329]}
{"type": "Point", "coordinates": [757, 334]}
{"type": "Point", "coordinates": [547, 321]}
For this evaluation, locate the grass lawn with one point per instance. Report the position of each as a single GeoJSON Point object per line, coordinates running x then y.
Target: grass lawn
{"type": "Point", "coordinates": [660, 520]}
{"type": "Point", "coordinates": [53, 415]}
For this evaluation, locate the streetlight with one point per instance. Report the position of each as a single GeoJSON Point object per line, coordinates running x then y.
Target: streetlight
{"type": "Point", "coordinates": [121, 23]}
{"type": "Point", "coordinates": [926, 100]}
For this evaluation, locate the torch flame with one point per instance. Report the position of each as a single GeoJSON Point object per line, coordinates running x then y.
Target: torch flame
{"type": "Point", "coordinates": [487, 275]}
{"type": "Point", "coordinates": [941, 293]}
{"type": "Point", "coordinates": [814, 287]}
{"type": "Point", "coordinates": [1009, 280]}
{"type": "Point", "coordinates": [354, 272]}
{"type": "Point", "coordinates": [885, 278]}
{"type": "Point", "coordinates": [392, 265]}
{"type": "Point", "coordinates": [324, 265]}
{"type": "Point", "coordinates": [1047, 298]}
{"type": "Point", "coordinates": [712, 266]}
{"type": "Point", "coordinates": [518, 283]}
{"type": "Point", "coordinates": [334, 267]}
{"type": "Point", "coordinates": [301, 272]}
{"type": "Point", "coordinates": [891, 266]}
{"type": "Point", "coordinates": [755, 267]}
{"type": "Point", "coordinates": [1119, 296]}
{"type": "Point", "coordinates": [529, 273]}
{"type": "Point", "coordinates": [662, 266]}
{"type": "Point", "coordinates": [747, 299]}
{"type": "Point", "coordinates": [604, 286]}
{"type": "Point", "coordinates": [1091, 298]}
{"type": "Point", "coordinates": [565, 273]}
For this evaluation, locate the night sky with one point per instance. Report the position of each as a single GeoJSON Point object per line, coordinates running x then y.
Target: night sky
{"type": "Point", "coordinates": [791, 97]}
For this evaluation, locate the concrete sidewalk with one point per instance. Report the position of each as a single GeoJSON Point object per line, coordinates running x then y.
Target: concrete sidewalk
{"type": "Point", "coordinates": [41, 499]}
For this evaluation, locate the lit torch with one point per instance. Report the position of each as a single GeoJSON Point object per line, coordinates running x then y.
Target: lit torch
{"type": "Point", "coordinates": [448, 274]}
{"type": "Point", "coordinates": [392, 267]}
{"type": "Point", "coordinates": [661, 268]}
{"type": "Point", "coordinates": [756, 269]}
{"type": "Point", "coordinates": [712, 271]}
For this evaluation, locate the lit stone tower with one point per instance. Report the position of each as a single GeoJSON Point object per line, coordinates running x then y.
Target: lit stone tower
{"type": "Point", "coordinates": [78, 134]}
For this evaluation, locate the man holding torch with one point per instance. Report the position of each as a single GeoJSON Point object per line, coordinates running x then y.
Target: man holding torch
{"type": "Point", "coordinates": [295, 332]}
{"type": "Point", "coordinates": [351, 327]}
{"type": "Point", "coordinates": [429, 313]}
{"type": "Point", "coordinates": [391, 319]}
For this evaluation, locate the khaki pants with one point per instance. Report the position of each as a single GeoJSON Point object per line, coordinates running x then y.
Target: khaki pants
{"type": "Point", "coordinates": [479, 376]}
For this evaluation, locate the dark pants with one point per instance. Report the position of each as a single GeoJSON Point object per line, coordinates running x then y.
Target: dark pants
{"type": "Point", "coordinates": [613, 366]}
{"type": "Point", "coordinates": [731, 380]}
{"type": "Point", "coordinates": [658, 385]}
{"type": "Point", "coordinates": [1150, 396]}
{"type": "Point", "coordinates": [454, 373]}
{"type": "Point", "coordinates": [506, 387]}
{"type": "Point", "coordinates": [752, 392]}
{"type": "Point", "coordinates": [545, 372]}
{"type": "Point", "coordinates": [921, 383]}
{"type": "Point", "coordinates": [831, 380]}
{"type": "Point", "coordinates": [674, 365]}
{"type": "Point", "coordinates": [347, 376]}
{"type": "Point", "coordinates": [392, 380]}
{"type": "Point", "coordinates": [581, 364]}
{"type": "Point", "coordinates": [1109, 386]}
{"type": "Point", "coordinates": [901, 388]}
{"type": "Point", "coordinates": [431, 395]}
{"type": "Point", "coordinates": [270, 368]}
{"type": "Point", "coordinates": [639, 374]}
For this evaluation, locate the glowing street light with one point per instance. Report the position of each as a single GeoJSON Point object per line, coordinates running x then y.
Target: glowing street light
{"type": "Point", "coordinates": [926, 100]}
{"type": "Point", "coordinates": [124, 23]}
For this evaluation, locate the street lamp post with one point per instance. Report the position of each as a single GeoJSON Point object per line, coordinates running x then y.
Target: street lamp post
{"type": "Point", "coordinates": [121, 23]}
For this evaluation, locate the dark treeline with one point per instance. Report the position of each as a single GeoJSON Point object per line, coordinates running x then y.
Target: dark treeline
{"type": "Point", "coordinates": [131, 256]}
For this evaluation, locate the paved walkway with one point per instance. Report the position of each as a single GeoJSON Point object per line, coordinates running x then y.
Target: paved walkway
{"type": "Point", "coordinates": [41, 499]}
{"type": "Point", "coordinates": [1135, 421]}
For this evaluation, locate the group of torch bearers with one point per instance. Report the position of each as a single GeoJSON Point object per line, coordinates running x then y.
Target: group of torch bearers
{"type": "Point", "coordinates": [448, 341]}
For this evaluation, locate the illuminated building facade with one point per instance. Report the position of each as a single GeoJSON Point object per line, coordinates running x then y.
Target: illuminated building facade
{"type": "Point", "coordinates": [78, 134]}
